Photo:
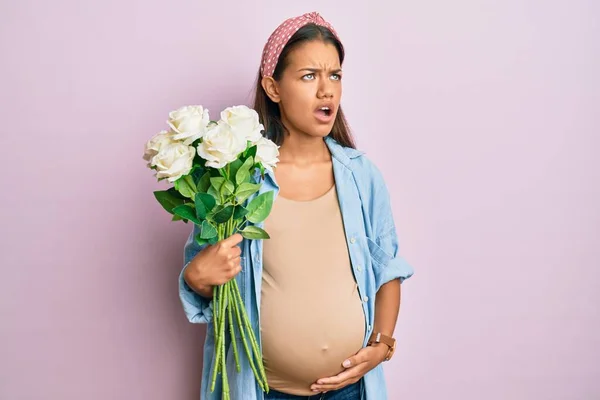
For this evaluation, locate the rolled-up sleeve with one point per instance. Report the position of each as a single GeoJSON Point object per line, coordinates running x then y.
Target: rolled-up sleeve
{"type": "Point", "coordinates": [388, 263]}
{"type": "Point", "coordinates": [197, 308]}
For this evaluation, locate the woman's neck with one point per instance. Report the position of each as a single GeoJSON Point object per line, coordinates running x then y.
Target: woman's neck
{"type": "Point", "coordinates": [302, 149]}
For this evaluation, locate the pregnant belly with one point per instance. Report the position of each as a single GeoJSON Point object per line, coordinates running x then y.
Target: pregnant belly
{"type": "Point", "coordinates": [301, 345]}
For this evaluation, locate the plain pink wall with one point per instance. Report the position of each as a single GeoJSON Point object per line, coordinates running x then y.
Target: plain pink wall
{"type": "Point", "coordinates": [483, 116]}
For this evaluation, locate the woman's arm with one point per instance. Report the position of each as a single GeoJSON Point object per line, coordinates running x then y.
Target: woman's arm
{"type": "Point", "coordinates": [387, 308]}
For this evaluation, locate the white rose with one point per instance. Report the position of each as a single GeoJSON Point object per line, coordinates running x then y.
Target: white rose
{"type": "Point", "coordinates": [243, 121]}
{"type": "Point", "coordinates": [220, 146]}
{"type": "Point", "coordinates": [267, 153]}
{"type": "Point", "coordinates": [173, 161]}
{"type": "Point", "coordinates": [157, 142]}
{"type": "Point", "coordinates": [188, 123]}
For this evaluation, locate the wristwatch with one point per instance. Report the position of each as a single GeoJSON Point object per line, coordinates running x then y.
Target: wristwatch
{"type": "Point", "coordinates": [378, 337]}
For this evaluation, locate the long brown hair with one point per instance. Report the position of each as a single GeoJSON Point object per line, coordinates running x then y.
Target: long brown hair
{"type": "Point", "coordinates": [268, 111]}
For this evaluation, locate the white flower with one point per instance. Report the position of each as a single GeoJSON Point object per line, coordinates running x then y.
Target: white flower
{"type": "Point", "coordinates": [173, 161]}
{"type": "Point", "coordinates": [243, 121]}
{"type": "Point", "coordinates": [267, 153]}
{"type": "Point", "coordinates": [220, 146]}
{"type": "Point", "coordinates": [157, 142]}
{"type": "Point", "coordinates": [189, 123]}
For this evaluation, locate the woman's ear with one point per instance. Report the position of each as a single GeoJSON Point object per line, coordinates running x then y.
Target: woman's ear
{"type": "Point", "coordinates": [271, 89]}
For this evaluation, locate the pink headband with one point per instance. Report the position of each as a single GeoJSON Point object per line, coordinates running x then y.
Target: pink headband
{"type": "Point", "coordinates": [282, 34]}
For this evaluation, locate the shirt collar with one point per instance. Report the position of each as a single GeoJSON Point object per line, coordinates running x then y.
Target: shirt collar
{"type": "Point", "coordinates": [341, 153]}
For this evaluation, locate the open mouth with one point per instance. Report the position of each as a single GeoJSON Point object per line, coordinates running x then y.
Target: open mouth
{"type": "Point", "coordinates": [326, 111]}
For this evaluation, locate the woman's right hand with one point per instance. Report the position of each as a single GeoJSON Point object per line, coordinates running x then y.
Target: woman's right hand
{"type": "Point", "coordinates": [214, 265]}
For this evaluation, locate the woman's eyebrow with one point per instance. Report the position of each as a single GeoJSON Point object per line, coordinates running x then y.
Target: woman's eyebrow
{"type": "Point", "coordinates": [335, 71]}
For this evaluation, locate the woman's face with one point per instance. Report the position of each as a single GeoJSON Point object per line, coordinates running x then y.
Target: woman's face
{"type": "Point", "coordinates": [310, 88]}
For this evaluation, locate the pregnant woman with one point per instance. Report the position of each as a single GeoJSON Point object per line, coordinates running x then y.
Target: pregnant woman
{"type": "Point", "coordinates": [323, 293]}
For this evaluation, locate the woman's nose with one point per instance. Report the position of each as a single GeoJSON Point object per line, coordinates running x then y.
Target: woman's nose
{"type": "Point", "coordinates": [325, 91]}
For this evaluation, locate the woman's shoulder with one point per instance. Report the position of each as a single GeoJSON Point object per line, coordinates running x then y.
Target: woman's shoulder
{"type": "Point", "coordinates": [365, 170]}
{"type": "Point", "coordinates": [357, 161]}
{"type": "Point", "coordinates": [368, 170]}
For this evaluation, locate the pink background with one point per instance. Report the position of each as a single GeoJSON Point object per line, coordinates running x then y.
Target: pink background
{"type": "Point", "coordinates": [483, 116]}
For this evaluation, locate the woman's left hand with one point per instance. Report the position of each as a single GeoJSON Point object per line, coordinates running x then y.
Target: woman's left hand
{"type": "Point", "coordinates": [356, 366]}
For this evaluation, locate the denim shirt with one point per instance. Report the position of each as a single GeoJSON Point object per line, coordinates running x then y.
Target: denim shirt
{"type": "Point", "coordinates": [374, 254]}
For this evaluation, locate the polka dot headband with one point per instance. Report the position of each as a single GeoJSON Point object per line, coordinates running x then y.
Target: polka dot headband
{"type": "Point", "coordinates": [282, 34]}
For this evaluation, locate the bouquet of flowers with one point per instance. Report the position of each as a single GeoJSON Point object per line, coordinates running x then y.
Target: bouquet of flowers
{"type": "Point", "coordinates": [212, 165]}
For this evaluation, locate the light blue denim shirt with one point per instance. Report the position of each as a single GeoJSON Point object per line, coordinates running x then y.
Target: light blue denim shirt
{"type": "Point", "coordinates": [374, 254]}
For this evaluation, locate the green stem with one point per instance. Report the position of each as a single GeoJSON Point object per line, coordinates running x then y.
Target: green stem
{"type": "Point", "coordinates": [231, 327]}
{"type": "Point", "coordinates": [255, 346]}
{"type": "Point", "coordinates": [223, 349]}
{"type": "Point", "coordinates": [237, 307]}
{"type": "Point", "coordinates": [215, 308]}
{"type": "Point", "coordinates": [218, 339]}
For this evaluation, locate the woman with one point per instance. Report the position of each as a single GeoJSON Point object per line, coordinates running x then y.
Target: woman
{"type": "Point", "coordinates": [323, 293]}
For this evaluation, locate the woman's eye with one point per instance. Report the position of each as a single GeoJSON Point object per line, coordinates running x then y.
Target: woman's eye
{"type": "Point", "coordinates": [336, 77]}
{"type": "Point", "coordinates": [308, 76]}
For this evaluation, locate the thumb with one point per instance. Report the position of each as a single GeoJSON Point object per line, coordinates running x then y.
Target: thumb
{"type": "Point", "coordinates": [354, 360]}
{"type": "Point", "coordinates": [232, 240]}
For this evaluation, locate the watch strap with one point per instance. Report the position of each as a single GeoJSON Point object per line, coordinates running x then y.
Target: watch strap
{"type": "Point", "coordinates": [378, 337]}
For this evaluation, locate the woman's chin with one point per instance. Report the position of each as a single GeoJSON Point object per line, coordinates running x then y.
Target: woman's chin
{"type": "Point", "coordinates": [321, 130]}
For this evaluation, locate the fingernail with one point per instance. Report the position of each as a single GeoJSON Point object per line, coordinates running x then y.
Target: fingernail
{"type": "Point", "coordinates": [347, 363]}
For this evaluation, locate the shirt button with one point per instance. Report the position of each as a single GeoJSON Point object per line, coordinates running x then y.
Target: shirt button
{"type": "Point", "coordinates": [368, 327]}
{"type": "Point", "coordinates": [352, 240]}
{"type": "Point", "coordinates": [359, 267]}
{"type": "Point", "coordinates": [365, 299]}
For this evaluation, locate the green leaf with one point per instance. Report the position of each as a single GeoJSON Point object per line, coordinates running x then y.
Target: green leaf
{"type": "Point", "coordinates": [185, 185]}
{"type": "Point", "coordinates": [228, 188]}
{"type": "Point", "coordinates": [190, 181]}
{"type": "Point", "coordinates": [186, 212]}
{"type": "Point", "coordinates": [243, 174]}
{"type": "Point", "coordinates": [217, 182]}
{"type": "Point", "coordinates": [222, 185]}
{"type": "Point", "coordinates": [223, 213]}
{"type": "Point", "coordinates": [204, 183]}
{"type": "Point", "coordinates": [175, 193]}
{"type": "Point", "coordinates": [245, 190]}
{"type": "Point", "coordinates": [168, 200]}
{"type": "Point", "coordinates": [200, 240]}
{"type": "Point", "coordinates": [213, 239]}
{"type": "Point", "coordinates": [251, 151]}
{"type": "Point", "coordinates": [260, 207]}
{"type": "Point", "coordinates": [213, 192]}
{"type": "Point", "coordinates": [207, 230]}
{"type": "Point", "coordinates": [197, 173]}
{"type": "Point", "coordinates": [239, 212]}
{"type": "Point", "coordinates": [254, 232]}
{"type": "Point", "coordinates": [204, 204]}
{"type": "Point", "coordinates": [176, 218]}
{"type": "Point", "coordinates": [234, 167]}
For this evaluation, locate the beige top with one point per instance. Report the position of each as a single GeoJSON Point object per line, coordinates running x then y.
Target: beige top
{"type": "Point", "coordinates": [311, 313]}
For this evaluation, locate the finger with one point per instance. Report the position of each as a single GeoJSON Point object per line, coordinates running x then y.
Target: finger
{"type": "Point", "coordinates": [234, 262]}
{"type": "Point", "coordinates": [235, 252]}
{"type": "Point", "coordinates": [232, 240]}
{"type": "Point", "coordinates": [234, 271]}
{"type": "Point", "coordinates": [235, 266]}
{"type": "Point", "coordinates": [356, 359]}
{"type": "Point", "coordinates": [341, 377]}
{"type": "Point", "coordinates": [361, 356]}
{"type": "Point", "coordinates": [329, 388]}
{"type": "Point", "coordinates": [326, 387]}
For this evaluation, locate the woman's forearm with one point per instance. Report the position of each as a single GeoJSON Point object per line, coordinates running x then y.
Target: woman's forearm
{"type": "Point", "coordinates": [387, 307]}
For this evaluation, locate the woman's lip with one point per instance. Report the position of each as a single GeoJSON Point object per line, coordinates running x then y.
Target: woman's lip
{"type": "Point", "coordinates": [322, 117]}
